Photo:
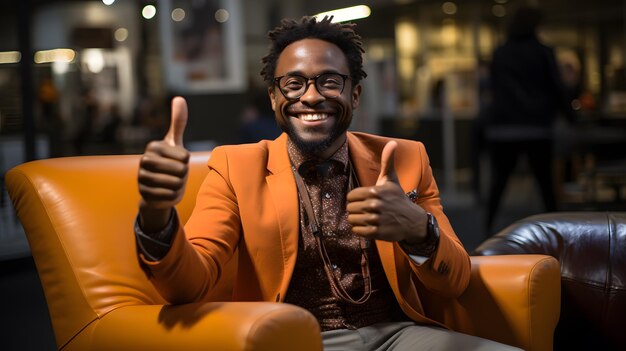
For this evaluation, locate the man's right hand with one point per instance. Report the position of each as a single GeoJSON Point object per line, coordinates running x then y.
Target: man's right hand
{"type": "Point", "coordinates": [163, 172]}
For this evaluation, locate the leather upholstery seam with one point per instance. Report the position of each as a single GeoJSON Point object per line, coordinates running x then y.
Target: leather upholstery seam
{"type": "Point", "coordinates": [590, 283]}
{"type": "Point", "coordinates": [529, 296]}
{"type": "Point", "coordinates": [78, 333]}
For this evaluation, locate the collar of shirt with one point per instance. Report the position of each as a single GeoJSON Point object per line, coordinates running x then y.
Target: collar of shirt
{"type": "Point", "coordinates": [305, 164]}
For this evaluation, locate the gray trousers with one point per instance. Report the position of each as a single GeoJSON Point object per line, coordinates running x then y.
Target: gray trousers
{"type": "Point", "coordinates": [400, 336]}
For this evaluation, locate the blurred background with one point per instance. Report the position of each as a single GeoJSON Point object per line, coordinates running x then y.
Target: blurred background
{"type": "Point", "coordinates": [96, 77]}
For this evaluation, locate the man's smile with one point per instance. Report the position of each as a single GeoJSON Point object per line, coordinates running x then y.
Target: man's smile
{"type": "Point", "coordinates": [307, 117]}
{"type": "Point", "coordinates": [311, 118]}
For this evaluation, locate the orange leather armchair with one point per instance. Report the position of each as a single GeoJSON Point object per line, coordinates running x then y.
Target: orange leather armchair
{"type": "Point", "coordinates": [78, 216]}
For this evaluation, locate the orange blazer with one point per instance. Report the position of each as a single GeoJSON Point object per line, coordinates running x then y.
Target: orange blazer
{"type": "Point", "coordinates": [248, 206]}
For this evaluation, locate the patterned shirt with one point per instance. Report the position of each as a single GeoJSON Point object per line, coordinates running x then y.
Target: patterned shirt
{"type": "Point", "coordinates": [327, 184]}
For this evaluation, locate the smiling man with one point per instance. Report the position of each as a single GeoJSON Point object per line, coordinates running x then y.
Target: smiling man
{"type": "Point", "coordinates": [346, 225]}
{"type": "Point", "coordinates": [316, 120]}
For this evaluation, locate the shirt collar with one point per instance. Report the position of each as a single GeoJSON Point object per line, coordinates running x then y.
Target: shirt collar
{"type": "Point", "coordinates": [298, 159]}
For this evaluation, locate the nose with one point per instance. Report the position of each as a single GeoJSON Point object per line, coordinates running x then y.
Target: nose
{"type": "Point", "coordinates": [311, 97]}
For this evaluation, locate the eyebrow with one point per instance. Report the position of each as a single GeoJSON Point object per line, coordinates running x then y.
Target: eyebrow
{"type": "Point", "coordinates": [300, 73]}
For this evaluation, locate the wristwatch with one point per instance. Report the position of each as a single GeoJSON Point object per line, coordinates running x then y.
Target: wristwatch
{"type": "Point", "coordinates": [429, 245]}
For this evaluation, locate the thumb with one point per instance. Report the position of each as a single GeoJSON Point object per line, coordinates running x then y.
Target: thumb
{"type": "Point", "coordinates": [387, 168]}
{"type": "Point", "coordinates": [178, 123]}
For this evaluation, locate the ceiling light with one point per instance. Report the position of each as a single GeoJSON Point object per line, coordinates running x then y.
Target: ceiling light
{"type": "Point", "coordinates": [10, 56]}
{"type": "Point", "coordinates": [55, 55]}
{"type": "Point", "coordinates": [178, 14]}
{"type": "Point", "coordinates": [222, 15]}
{"type": "Point", "coordinates": [121, 34]}
{"type": "Point", "coordinates": [148, 11]}
{"type": "Point", "coordinates": [346, 14]}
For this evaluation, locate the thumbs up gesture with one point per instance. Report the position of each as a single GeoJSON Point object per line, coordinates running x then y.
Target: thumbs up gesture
{"type": "Point", "coordinates": [163, 172]}
{"type": "Point", "coordinates": [383, 211]}
{"type": "Point", "coordinates": [174, 135]}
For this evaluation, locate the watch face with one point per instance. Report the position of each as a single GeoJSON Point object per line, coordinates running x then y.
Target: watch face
{"type": "Point", "coordinates": [433, 227]}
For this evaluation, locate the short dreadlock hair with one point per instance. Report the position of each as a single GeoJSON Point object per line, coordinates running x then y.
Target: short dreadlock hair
{"type": "Point", "coordinates": [340, 34]}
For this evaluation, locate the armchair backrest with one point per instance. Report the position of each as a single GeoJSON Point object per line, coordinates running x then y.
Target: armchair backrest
{"type": "Point", "coordinates": [78, 215]}
{"type": "Point", "coordinates": [591, 250]}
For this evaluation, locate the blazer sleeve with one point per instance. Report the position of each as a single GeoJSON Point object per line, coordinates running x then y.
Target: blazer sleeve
{"type": "Point", "coordinates": [447, 271]}
{"type": "Point", "coordinates": [200, 250]}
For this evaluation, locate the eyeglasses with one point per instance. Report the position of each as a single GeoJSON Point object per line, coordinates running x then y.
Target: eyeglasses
{"type": "Point", "coordinates": [329, 85]}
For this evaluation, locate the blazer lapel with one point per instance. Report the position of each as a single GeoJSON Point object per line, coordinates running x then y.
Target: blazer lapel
{"type": "Point", "coordinates": [367, 166]}
{"type": "Point", "coordinates": [282, 189]}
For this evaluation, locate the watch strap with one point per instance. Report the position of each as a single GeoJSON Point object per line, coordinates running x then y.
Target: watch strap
{"type": "Point", "coordinates": [429, 245]}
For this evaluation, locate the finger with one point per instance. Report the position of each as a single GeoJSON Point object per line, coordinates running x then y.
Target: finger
{"type": "Point", "coordinates": [158, 164]}
{"type": "Point", "coordinates": [174, 135]}
{"type": "Point", "coordinates": [160, 180]}
{"type": "Point", "coordinates": [367, 206]}
{"type": "Point", "coordinates": [365, 230]}
{"type": "Point", "coordinates": [163, 149]}
{"type": "Point", "coordinates": [387, 168]}
{"type": "Point", "coordinates": [364, 219]}
{"type": "Point", "coordinates": [362, 193]}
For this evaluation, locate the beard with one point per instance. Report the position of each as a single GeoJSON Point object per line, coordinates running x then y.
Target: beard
{"type": "Point", "coordinates": [312, 147]}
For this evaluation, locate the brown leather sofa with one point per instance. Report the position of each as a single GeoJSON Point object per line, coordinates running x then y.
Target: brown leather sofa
{"type": "Point", "coordinates": [591, 249]}
{"type": "Point", "coordinates": [78, 216]}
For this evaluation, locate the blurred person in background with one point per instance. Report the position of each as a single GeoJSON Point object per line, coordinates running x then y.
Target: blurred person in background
{"type": "Point", "coordinates": [527, 95]}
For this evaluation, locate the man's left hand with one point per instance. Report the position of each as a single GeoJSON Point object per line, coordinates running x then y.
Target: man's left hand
{"type": "Point", "coordinates": [383, 211]}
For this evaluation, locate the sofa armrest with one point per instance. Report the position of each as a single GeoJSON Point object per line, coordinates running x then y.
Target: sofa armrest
{"type": "Point", "coordinates": [201, 326]}
{"type": "Point", "coordinates": [514, 299]}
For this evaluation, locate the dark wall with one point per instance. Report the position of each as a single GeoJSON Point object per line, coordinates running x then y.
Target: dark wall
{"type": "Point", "coordinates": [429, 132]}
{"type": "Point", "coordinates": [214, 117]}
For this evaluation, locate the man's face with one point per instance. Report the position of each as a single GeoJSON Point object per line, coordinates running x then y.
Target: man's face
{"type": "Point", "coordinates": [316, 124]}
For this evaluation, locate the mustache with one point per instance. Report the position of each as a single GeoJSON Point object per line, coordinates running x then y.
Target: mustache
{"type": "Point", "coordinates": [295, 108]}
{"type": "Point", "coordinates": [294, 111]}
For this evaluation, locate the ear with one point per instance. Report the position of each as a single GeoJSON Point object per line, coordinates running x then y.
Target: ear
{"type": "Point", "coordinates": [270, 92]}
{"type": "Point", "coordinates": [356, 96]}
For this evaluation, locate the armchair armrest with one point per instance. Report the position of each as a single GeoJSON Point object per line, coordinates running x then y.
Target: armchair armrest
{"type": "Point", "coordinates": [201, 326]}
{"type": "Point", "coordinates": [513, 299]}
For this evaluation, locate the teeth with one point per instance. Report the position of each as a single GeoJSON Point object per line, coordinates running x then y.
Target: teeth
{"type": "Point", "coordinates": [313, 117]}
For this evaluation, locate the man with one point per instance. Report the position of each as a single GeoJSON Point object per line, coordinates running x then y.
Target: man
{"type": "Point", "coordinates": [320, 216]}
{"type": "Point", "coordinates": [528, 94]}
